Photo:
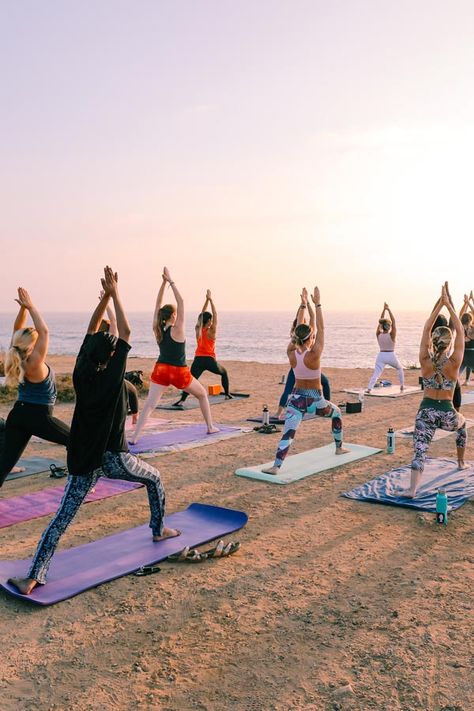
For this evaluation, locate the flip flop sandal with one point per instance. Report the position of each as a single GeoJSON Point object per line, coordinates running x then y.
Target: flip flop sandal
{"type": "Point", "coordinates": [222, 550]}
{"type": "Point", "coordinates": [57, 472]}
{"type": "Point", "coordinates": [147, 570]}
{"type": "Point", "coordinates": [187, 555]}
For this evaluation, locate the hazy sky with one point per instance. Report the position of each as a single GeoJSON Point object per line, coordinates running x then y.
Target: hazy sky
{"type": "Point", "coordinates": [253, 146]}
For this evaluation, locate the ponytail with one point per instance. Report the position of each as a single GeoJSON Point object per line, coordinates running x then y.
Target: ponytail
{"type": "Point", "coordinates": [17, 355]}
{"type": "Point", "coordinates": [441, 340]}
{"type": "Point", "coordinates": [164, 314]}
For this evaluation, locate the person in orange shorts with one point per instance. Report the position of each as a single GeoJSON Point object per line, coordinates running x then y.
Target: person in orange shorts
{"type": "Point", "coordinates": [171, 368]}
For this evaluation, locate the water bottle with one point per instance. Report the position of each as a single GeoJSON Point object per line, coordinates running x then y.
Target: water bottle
{"type": "Point", "coordinates": [442, 507]}
{"type": "Point", "coordinates": [265, 416]}
{"type": "Point", "coordinates": [390, 441]}
{"type": "Point", "coordinates": [361, 399]}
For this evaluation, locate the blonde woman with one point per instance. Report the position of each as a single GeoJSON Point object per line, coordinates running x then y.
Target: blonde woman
{"type": "Point", "coordinates": [25, 368]}
{"type": "Point", "coordinates": [386, 335]}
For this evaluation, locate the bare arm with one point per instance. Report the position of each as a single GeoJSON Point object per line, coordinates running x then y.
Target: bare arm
{"type": "Point", "coordinates": [319, 341]}
{"type": "Point", "coordinates": [178, 328]}
{"type": "Point", "coordinates": [20, 321]}
{"type": "Point", "coordinates": [41, 346]}
{"type": "Point", "coordinates": [213, 329]}
{"type": "Point", "coordinates": [111, 285]}
{"type": "Point", "coordinates": [458, 352]}
{"type": "Point", "coordinates": [158, 305]}
{"type": "Point", "coordinates": [300, 314]}
{"type": "Point", "coordinates": [98, 314]}
{"type": "Point", "coordinates": [393, 332]}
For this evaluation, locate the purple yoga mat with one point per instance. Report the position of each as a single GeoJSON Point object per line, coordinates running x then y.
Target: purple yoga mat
{"type": "Point", "coordinates": [46, 501]}
{"type": "Point", "coordinates": [182, 435]}
{"type": "Point", "coordinates": [77, 569]}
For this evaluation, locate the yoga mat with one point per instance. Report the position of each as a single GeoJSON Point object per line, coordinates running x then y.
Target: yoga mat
{"type": "Point", "coordinates": [438, 473]}
{"type": "Point", "coordinates": [34, 465]}
{"type": "Point", "coordinates": [407, 432]}
{"type": "Point", "coordinates": [77, 569]}
{"type": "Point", "coordinates": [46, 501]}
{"type": "Point", "coordinates": [191, 403]}
{"type": "Point", "coordinates": [314, 461]}
{"type": "Point", "coordinates": [172, 439]}
{"type": "Point", "coordinates": [276, 421]}
{"type": "Point", "coordinates": [392, 391]}
{"type": "Point", "coordinates": [467, 398]}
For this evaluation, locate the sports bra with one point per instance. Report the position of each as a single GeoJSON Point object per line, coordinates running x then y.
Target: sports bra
{"type": "Point", "coordinates": [302, 371]}
{"type": "Point", "coordinates": [386, 342]}
{"type": "Point", "coordinates": [438, 381]}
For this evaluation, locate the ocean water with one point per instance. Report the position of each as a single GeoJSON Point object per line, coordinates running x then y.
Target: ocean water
{"type": "Point", "coordinates": [250, 336]}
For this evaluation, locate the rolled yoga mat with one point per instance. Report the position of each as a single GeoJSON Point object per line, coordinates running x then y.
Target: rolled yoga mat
{"type": "Point", "coordinates": [172, 439]}
{"type": "Point", "coordinates": [392, 391]}
{"type": "Point", "coordinates": [438, 473]}
{"type": "Point", "coordinates": [191, 403]}
{"type": "Point", "coordinates": [314, 461]}
{"type": "Point", "coordinates": [77, 569]}
{"type": "Point", "coordinates": [46, 501]}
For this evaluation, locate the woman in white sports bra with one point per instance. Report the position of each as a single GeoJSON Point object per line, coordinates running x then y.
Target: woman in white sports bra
{"type": "Point", "coordinates": [304, 353]}
{"type": "Point", "coordinates": [386, 334]}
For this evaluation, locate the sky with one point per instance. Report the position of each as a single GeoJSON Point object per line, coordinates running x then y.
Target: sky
{"type": "Point", "coordinates": [252, 147]}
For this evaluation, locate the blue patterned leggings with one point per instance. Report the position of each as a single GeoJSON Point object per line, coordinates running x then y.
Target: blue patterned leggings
{"type": "Point", "coordinates": [300, 402]}
{"type": "Point", "coordinates": [115, 465]}
{"type": "Point", "coordinates": [427, 421]}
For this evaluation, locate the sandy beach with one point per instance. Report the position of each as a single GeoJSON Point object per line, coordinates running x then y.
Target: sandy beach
{"type": "Point", "coordinates": [330, 604]}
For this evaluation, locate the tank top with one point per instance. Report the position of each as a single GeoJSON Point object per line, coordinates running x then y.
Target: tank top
{"type": "Point", "coordinates": [386, 342]}
{"type": "Point", "coordinates": [43, 393]}
{"type": "Point", "coordinates": [205, 345]}
{"type": "Point", "coordinates": [172, 352]}
{"type": "Point", "coordinates": [302, 371]}
{"type": "Point", "coordinates": [438, 381]}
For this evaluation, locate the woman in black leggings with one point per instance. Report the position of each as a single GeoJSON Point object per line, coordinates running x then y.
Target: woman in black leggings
{"type": "Point", "coordinates": [25, 367]}
{"type": "Point", "coordinates": [205, 355]}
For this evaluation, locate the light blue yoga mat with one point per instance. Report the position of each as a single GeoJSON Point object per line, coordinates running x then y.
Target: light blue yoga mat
{"type": "Point", "coordinates": [34, 465]}
{"type": "Point", "coordinates": [314, 461]}
{"type": "Point", "coordinates": [438, 473]}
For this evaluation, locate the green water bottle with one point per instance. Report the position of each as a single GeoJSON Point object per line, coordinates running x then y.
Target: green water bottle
{"type": "Point", "coordinates": [390, 441]}
{"type": "Point", "coordinates": [442, 507]}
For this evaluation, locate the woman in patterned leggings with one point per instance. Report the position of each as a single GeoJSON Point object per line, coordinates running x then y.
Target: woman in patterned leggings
{"type": "Point", "coordinates": [304, 354]}
{"type": "Point", "coordinates": [440, 363]}
{"type": "Point", "coordinates": [97, 444]}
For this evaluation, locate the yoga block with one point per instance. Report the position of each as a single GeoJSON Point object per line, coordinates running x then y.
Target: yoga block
{"type": "Point", "coordinates": [352, 407]}
{"type": "Point", "coordinates": [214, 389]}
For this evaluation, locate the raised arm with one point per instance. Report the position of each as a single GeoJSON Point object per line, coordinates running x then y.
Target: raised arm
{"type": "Point", "coordinates": [319, 341]}
{"type": "Point", "coordinates": [458, 352]}
{"type": "Point", "coordinates": [20, 321]}
{"type": "Point", "coordinates": [426, 335]}
{"type": "Point", "coordinates": [110, 286]}
{"type": "Point", "coordinates": [98, 313]}
{"type": "Point", "coordinates": [178, 327]}
{"type": "Point", "coordinates": [213, 328]}
{"type": "Point", "coordinates": [393, 332]}
{"type": "Point", "coordinates": [301, 313]}
{"type": "Point", "coordinates": [41, 346]}
{"type": "Point", "coordinates": [159, 304]}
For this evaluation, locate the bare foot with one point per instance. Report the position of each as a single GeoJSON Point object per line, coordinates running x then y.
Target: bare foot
{"type": "Point", "coordinates": [407, 494]}
{"type": "Point", "coordinates": [134, 419]}
{"type": "Point", "coordinates": [462, 465]}
{"type": "Point", "coordinates": [367, 391]}
{"type": "Point", "coordinates": [132, 441]}
{"type": "Point", "coordinates": [342, 450]}
{"type": "Point", "coordinates": [271, 470]}
{"type": "Point", "coordinates": [167, 533]}
{"type": "Point", "coordinates": [17, 470]}
{"type": "Point", "coordinates": [213, 430]}
{"type": "Point", "coordinates": [402, 388]}
{"type": "Point", "coordinates": [24, 585]}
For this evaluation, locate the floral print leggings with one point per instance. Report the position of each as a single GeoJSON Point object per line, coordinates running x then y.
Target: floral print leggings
{"type": "Point", "coordinates": [427, 421]}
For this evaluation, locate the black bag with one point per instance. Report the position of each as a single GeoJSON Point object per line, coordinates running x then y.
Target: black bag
{"type": "Point", "coordinates": [134, 377]}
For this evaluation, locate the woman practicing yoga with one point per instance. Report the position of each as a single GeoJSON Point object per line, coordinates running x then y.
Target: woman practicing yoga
{"type": "Point", "coordinates": [97, 444]}
{"type": "Point", "coordinates": [466, 316]}
{"type": "Point", "coordinates": [171, 368]}
{"type": "Point", "coordinates": [386, 334]}
{"type": "Point", "coordinates": [25, 367]}
{"type": "Point", "coordinates": [440, 363]}
{"type": "Point", "coordinates": [205, 355]}
{"type": "Point", "coordinates": [304, 353]}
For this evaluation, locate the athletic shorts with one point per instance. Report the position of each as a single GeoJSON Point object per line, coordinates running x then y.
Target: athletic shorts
{"type": "Point", "coordinates": [177, 375]}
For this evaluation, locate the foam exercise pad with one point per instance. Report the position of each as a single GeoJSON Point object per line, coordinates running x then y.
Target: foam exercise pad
{"type": "Point", "coordinates": [77, 569]}
{"type": "Point", "coordinates": [46, 501]}
{"type": "Point", "coordinates": [438, 473]}
{"type": "Point", "coordinates": [467, 398]}
{"type": "Point", "coordinates": [392, 391]}
{"type": "Point", "coordinates": [172, 439]}
{"type": "Point", "coordinates": [407, 432]}
{"type": "Point", "coordinates": [276, 421]}
{"type": "Point", "coordinates": [34, 465]}
{"type": "Point", "coordinates": [314, 461]}
{"type": "Point", "coordinates": [191, 403]}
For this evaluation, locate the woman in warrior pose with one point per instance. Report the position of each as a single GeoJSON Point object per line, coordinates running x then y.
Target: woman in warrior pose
{"type": "Point", "coordinates": [440, 360]}
{"type": "Point", "coordinates": [97, 445]}
{"type": "Point", "coordinates": [26, 368]}
{"type": "Point", "coordinates": [205, 355]}
{"type": "Point", "coordinates": [171, 368]}
{"type": "Point", "coordinates": [304, 353]}
{"type": "Point", "coordinates": [386, 334]}
{"type": "Point", "coordinates": [466, 316]}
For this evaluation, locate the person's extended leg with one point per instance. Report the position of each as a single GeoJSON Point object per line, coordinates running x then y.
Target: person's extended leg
{"type": "Point", "coordinates": [393, 362]}
{"type": "Point", "coordinates": [197, 369]}
{"type": "Point", "coordinates": [426, 423]}
{"type": "Point", "coordinates": [50, 428]}
{"type": "Point", "coordinates": [154, 394]}
{"type": "Point", "coordinates": [295, 410]}
{"type": "Point", "coordinates": [16, 437]}
{"type": "Point", "coordinates": [379, 366]}
{"type": "Point", "coordinates": [290, 384]}
{"type": "Point", "coordinates": [195, 388]}
{"type": "Point", "coordinates": [214, 367]}
{"type": "Point", "coordinates": [123, 465]}
{"type": "Point", "coordinates": [132, 397]}
{"type": "Point", "coordinates": [76, 490]}
{"type": "Point", "coordinates": [456, 422]}
{"type": "Point", "coordinates": [326, 387]}
{"type": "Point", "coordinates": [325, 408]}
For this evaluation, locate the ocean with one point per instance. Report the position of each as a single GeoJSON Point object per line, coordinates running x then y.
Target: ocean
{"type": "Point", "coordinates": [250, 336]}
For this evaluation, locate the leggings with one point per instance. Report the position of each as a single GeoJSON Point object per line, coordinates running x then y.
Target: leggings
{"type": "Point", "coordinates": [386, 358]}
{"type": "Point", "coordinates": [202, 363]}
{"type": "Point", "coordinates": [25, 420]}
{"type": "Point", "coordinates": [115, 465]}
{"type": "Point", "coordinates": [290, 384]}
{"type": "Point", "coordinates": [300, 402]}
{"type": "Point", "coordinates": [426, 423]}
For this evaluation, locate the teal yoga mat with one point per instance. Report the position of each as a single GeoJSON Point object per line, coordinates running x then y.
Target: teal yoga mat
{"type": "Point", "coordinates": [314, 461]}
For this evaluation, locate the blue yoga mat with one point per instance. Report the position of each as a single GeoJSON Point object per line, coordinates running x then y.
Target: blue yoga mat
{"type": "Point", "coordinates": [191, 403]}
{"type": "Point", "coordinates": [77, 569]}
{"type": "Point", "coordinates": [163, 441]}
{"type": "Point", "coordinates": [438, 473]}
{"type": "Point", "coordinates": [34, 465]}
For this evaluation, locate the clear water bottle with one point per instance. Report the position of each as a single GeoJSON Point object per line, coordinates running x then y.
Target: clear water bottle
{"type": "Point", "coordinates": [265, 415]}
{"type": "Point", "coordinates": [442, 507]}
{"type": "Point", "coordinates": [361, 398]}
{"type": "Point", "coordinates": [390, 441]}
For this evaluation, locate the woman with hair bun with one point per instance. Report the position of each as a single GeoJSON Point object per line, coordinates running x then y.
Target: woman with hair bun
{"type": "Point", "coordinates": [386, 334]}
{"type": "Point", "coordinates": [304, 353]}
{"type": "Point", "coordinates": [25, 368]}
{"type": "Point", "coordinates": [440, 360]}
{"type": "Point", "coordinates": [171, 368]}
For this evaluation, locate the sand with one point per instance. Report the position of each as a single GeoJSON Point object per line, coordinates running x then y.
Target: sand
{"type": "Point", "coordinates": [329, 604]}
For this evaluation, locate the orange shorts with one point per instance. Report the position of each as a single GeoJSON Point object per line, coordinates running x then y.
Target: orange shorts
{"type": "Point", "coordinates": [177, 375]}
